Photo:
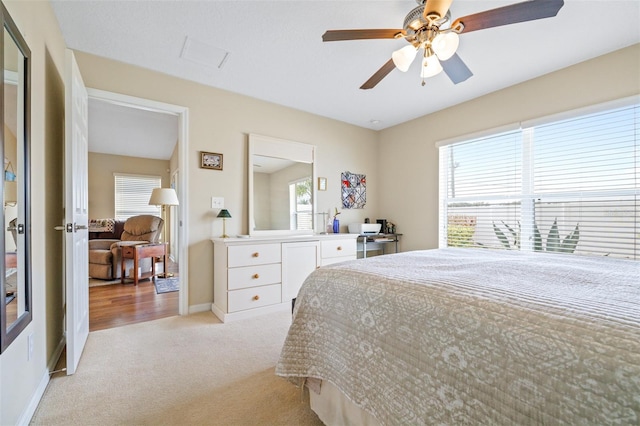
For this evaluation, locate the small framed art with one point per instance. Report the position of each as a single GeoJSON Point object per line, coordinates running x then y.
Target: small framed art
{"type": "Point", "coordinates": [322, 184]}
{"type": "Point", "coordinates": [210, 160]}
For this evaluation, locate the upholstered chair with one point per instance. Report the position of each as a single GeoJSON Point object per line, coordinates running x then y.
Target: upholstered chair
{"type": "Point", "coordinates": [104, 254]}
{"type": "Point", "coordinates": [141, 229]}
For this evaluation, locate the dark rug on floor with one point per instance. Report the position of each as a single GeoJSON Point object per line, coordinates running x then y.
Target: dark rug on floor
{"type": "Point", "coordinates": [167, 285]}
{"type": "Point", "coordinates": [9, 298]}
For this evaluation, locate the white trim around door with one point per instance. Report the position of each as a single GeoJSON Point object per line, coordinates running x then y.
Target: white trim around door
{"type": "Point", "coordinates": [183, 166]}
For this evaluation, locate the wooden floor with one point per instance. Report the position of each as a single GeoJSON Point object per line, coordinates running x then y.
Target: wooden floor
{"type": "Point", "coordinates": [115, 305]}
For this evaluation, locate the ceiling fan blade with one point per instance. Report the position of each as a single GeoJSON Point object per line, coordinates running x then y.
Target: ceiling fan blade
{"type": "Point", "coordinates": [436, 7]}
{"type": "Point", "coordinates": [456, 69]}
{"type": "Point", "coordinates": [519, 12]}
{"type": "Point", "coordinates": [338, 35]}
{"type": "Point", "coordinates": [379, 75]}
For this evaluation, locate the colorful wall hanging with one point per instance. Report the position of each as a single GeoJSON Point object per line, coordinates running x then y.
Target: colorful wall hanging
{"type": "Point", "coordinates": [354, 190]}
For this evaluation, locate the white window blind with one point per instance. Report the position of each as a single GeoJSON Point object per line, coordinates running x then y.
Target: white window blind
{"type": "Point", "coordinates": [132, 193]}
{"type": "Point", "coordinates": [570, 186]}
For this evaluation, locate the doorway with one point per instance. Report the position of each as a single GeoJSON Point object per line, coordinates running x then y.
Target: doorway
{"type": "Point", "coordinates": [142, 303]}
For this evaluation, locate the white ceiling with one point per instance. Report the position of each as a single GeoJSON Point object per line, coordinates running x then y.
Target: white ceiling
{"type": "Point", "coordinates": [136, 132]}
{"type": "Point", "coordinates": [276, 53]}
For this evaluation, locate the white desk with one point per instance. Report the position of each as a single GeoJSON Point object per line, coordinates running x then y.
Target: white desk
{"type": "Point", "coordinates": [368, 242]}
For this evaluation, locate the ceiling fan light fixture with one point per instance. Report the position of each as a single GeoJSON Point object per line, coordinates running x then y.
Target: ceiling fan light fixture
{"type": "Point", "coordinates": [445, 44]}
{"type": "Point", "coordinates": [430, 66]}
{"type": "Point", "coordinates": [402, 58]}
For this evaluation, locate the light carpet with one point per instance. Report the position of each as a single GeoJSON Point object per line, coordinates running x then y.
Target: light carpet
{"type": "Point", "coordinates": [190, 370]}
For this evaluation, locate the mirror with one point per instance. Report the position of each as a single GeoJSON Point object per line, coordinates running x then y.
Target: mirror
{"type": "Point", "coordinates": [15, 313]}
{"type": "Point", "coordinates": [281, 190]}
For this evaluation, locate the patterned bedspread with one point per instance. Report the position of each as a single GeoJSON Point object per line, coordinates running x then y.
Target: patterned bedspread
{"type": "Point", "coordinates": [466, 336]}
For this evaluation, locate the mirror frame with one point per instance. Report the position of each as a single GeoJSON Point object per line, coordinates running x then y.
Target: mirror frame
{"type": "Point", "coordinates": [9, 332]}
{"type": "Point", "coordinates": [288, 150]}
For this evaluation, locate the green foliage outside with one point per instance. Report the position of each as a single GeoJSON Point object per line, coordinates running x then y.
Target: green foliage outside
{"type": "Point", "coordinates": [460, 235]}
{"type": "Point", "coordinates": [553, 244]}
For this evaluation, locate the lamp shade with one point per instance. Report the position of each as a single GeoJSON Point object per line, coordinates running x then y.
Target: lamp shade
{"type": "Point", "coordinates": [402, 58]}
{"type": "Point", "coordinates": [224, 213]}
{"type": "Point", "coordinates": [445, 45]}
{"type": "Point", "coordinates": [163, 197]}
{"type": "Point", "coordinates": [430, 66]}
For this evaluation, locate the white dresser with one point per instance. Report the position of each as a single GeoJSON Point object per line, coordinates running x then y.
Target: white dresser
{"type": "Point", "coordinates": [257, 275]}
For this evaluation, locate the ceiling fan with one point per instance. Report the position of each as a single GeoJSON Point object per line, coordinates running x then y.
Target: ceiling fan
{"type": "Point", "coordinates": [426, 27]}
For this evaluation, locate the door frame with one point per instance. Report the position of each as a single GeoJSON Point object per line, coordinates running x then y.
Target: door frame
{"type": "Point", "coordinates": [183, 165]}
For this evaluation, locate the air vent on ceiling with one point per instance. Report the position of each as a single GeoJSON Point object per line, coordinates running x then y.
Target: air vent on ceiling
{"type": "Point", "coordinates": [203, 53]}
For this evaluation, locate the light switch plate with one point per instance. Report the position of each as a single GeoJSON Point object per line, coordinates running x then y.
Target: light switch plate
{"type": "Point", "coordinates": [217, 202]}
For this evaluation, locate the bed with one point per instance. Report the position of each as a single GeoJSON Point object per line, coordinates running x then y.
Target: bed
{"type": "Point", "coordinates": [469, 336]}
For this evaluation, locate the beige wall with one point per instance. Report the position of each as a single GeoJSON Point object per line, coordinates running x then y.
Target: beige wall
{"type": "Point", "coordinates": [22, 380]}
{"type": "Point", "coordinates": [220, 121]}
{"type": "Point", "coordinates": [409, 180]}
{"type": "Point", "coordinates": [101, 182]}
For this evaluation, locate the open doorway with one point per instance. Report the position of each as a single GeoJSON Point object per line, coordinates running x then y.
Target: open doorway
{"type": "Point", "coordinates": [137, 137]}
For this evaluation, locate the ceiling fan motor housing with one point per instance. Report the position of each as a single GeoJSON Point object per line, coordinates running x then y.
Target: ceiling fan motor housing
{"type": "Point", "coordinates": [415, 22]}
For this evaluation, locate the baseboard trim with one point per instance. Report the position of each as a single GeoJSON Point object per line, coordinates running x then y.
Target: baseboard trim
{"type": "Point", "coordinates": [204, 307]}
{"type": "Point", "coordinates": [53, 361]}
{"type": "Point", "coordinates": [26, 417]}
{"type": "Point", "coordinates": [249, 313]}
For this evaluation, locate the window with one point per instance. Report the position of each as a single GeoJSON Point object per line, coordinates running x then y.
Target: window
{"type": "Point", "coordinates": [569, 186]}
{"type": "Point", "coordinates": [132, 194]}
{"type": "Point", "coordinates": [300, 207]}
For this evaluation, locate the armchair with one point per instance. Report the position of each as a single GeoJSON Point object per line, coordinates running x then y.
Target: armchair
{"type": "Point", "coordinates": [104, 254]}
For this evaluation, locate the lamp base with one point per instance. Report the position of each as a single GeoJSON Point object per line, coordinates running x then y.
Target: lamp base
{"type": "Point", "coordinates": [224, 236]}
{"type": "Point", "coordinates": [165, 275]}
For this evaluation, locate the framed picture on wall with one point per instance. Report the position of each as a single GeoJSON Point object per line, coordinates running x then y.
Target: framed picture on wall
{"type": "Point", "coordinates": [322, 184]}
{"type": "Point", "coordinates": [210, 160]}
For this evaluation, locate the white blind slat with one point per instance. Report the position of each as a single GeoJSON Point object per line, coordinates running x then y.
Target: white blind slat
{"type": "Point", "coordinates": [132, 194]}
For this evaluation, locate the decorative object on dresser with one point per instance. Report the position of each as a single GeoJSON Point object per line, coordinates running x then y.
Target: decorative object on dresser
{"type": "Point", "coordinates": [224, 214]}
{"type": "Point", "coordinates": [335, 223]}
{"type": "Point", "coordinates": [164, 197]}
{"type": "Point", "coordinates": [253, 276]}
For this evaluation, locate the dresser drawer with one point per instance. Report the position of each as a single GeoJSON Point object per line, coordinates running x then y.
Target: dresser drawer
{"type": "Point", "coordinates": [338, 248]}
{"type": "Point", "coordinates": [255, 297]}
{"type": "Point", "coordinates": [253, 254]}
{"type": "Point", "coordinates": [252, 276]}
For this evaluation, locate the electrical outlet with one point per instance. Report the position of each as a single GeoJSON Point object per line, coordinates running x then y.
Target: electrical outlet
{"type": "Point", "coordinates": [30, 347]}
{"type": "Point", "coordinates": [217, 202]}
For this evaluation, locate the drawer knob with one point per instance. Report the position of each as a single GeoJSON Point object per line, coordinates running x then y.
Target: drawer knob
{"type": "Point", "coordinates": [256, 297]}
{"type": "Point", "coordinates": [256, 254]}
{"type": "Point", "coordinates": [256, 276]}
{"type": "Point", "coordinates": [339, 248]}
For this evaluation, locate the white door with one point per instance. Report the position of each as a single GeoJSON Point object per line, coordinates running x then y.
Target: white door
{"type": "Point", "coordinates": [76, 215]}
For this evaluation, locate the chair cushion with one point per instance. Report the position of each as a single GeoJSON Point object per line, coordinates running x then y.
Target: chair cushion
{"type": "Point", "coordinates": [102, 257]}
{"type": "Point", "coordinates": [142, 228]}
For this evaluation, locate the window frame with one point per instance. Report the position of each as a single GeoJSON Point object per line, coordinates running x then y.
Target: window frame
{"type": "Point", "coordinates": [528, 198]}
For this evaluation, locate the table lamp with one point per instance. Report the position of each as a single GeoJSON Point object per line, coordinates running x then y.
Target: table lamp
{"type": "Point", "coordinates": [224, 214]}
